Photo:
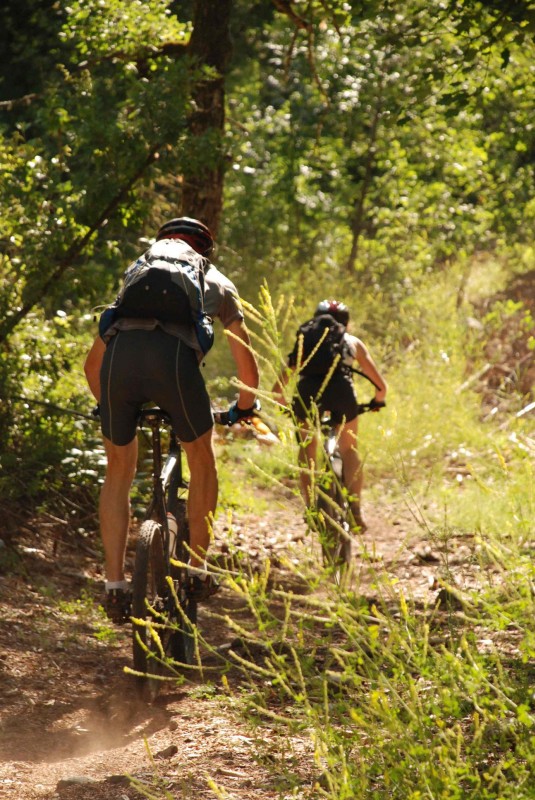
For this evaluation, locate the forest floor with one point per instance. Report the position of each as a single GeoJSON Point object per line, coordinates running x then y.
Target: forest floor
{"type": "Point", "coordinates": [72, 726]}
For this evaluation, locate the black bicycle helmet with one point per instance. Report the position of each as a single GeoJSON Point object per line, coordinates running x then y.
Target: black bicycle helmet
{"type": "Point", "coordinates": [192, 231]}
{"type": "Point", "coordinates": [339, 311]}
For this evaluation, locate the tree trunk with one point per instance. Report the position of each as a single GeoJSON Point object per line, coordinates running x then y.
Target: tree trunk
{"type": "Point", "coordinates": [357, 221]}
{"type": "Point", "coordinates": [210, 46]}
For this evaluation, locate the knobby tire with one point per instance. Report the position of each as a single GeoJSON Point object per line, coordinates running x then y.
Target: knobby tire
{"type": "Point", "coordinates": [182, 643]}
{"type": "Point", "coordinates": [149, 603]}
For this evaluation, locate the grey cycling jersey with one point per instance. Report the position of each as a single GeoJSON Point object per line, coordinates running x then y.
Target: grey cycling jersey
{"type": "Point", "coordinates": [221, 300]}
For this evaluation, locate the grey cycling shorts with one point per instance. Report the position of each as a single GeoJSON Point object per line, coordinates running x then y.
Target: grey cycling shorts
{"type": "Point", "coordinates": [142, 367]}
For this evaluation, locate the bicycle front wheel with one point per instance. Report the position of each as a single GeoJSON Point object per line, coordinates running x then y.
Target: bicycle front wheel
{"type": "Point", "coordinates": [182, 643]}
{"type": "Point", "coordinates": [149, 609]}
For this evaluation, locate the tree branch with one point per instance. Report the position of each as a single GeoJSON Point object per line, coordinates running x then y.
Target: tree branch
{"type": "Point", "coordinates": [331, 16]}
{"type": "Point", "coordinates": [9, 105]}
{"type": "Point", "coordinates": [285, 7]}
{"type": "Point", "coordinates": [173, 50]}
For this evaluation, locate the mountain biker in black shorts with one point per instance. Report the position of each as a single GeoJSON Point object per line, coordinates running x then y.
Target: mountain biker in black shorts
{"type": "Point", "coordinates": [136, 361]}
{"type": "Point", "coordinates": [339, 399]}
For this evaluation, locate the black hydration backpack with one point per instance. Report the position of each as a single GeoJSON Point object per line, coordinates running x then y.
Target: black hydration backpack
{"type": "Point", "coordinates": [166, 283]}
{"type": "Point", "coordinates": [318, 347]}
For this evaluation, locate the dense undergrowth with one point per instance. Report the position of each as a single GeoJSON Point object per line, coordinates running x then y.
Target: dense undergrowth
{"type": "Point", "coordinates": [397, 701]}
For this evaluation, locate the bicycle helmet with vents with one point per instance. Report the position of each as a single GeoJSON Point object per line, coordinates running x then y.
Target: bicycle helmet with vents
{"type": "Point", "coordinates": [339, 311]}
{"type": "Point", "coordinates": [192, 231]}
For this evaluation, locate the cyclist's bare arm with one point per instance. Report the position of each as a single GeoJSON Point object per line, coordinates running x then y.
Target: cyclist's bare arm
{"type": "Point", "coordinates": [246, 366]}
{"type": "Point", "coordinates": [369, 368]}
{"type": "Point", "coordinates": [92, 366]}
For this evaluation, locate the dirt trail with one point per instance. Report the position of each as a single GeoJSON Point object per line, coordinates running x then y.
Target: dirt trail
{"type": "Point", "coordinates": [71, 726]}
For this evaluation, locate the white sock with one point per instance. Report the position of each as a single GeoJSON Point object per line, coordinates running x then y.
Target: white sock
{"type": "Point", "coordinates": [124, 585]}
{"type": "Point", "coordinates": [200, 572]}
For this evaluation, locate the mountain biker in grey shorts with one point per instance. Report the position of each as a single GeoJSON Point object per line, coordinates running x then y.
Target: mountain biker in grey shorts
{"type": "Point", "coordinates": [135, 361]}
{"type": "Point", "coordinates": [142, 366]}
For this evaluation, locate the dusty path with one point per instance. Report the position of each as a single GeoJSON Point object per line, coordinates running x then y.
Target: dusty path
{"type": "Point", "coordinates": [71, 726]}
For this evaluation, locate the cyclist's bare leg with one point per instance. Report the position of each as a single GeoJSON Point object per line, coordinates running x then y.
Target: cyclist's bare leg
{"type": "Point", "coordinates": [352, 465]}
{"type": "Point", "coordinates": [202, 498]}
{"type": "Point", "coordinates": [306, 458]}
{"type": "Point", "coordinates": [114, 506]}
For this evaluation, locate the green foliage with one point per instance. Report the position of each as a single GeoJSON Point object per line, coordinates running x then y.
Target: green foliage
{"type": "Point", "coordinates": [398, 696]}
{"type": "Point", "coordinates": [115, 100]}
{"type": "Point", "coordinates": [75, 180]}
{"type": "Point", "coordinates": [395, 704]}
{"type": "Point", "coordinates": [359, 136]}
{"type": "Point", "coordinates": [47, 444]}
{"type": "Point", "coordinates": [119, 27]}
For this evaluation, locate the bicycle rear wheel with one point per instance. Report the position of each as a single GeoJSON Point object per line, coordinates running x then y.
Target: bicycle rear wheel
{"type": "Point", "coordinates": [150, 595]}
{"type": "Point", "coordinates": [182, 643]}
{"type": "Point", "coordinates": [334, 532]}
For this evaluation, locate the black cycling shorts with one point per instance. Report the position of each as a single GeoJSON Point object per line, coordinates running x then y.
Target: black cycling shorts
{"type": "Point", "coordinates": [338, 398]}
{"type": "Point", "coordinates": [142, 367]}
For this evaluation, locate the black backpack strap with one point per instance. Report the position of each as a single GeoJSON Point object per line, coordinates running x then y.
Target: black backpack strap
{"type": "Point", "coordinates": [358, 372]}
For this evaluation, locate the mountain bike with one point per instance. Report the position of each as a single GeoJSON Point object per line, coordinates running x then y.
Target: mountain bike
{"type": "Point", "coordinates": [163, 616]}
{"type": "Point", "coordinates": [332, 507]}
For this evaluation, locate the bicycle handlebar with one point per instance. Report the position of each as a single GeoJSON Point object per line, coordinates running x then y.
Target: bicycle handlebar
{"type": "Point", "coordinates": [236, 414]}
{"type": "Point", "coordinates": [223, 418]}
{"type": "Point", "coordinates": [220, 417]}
{"type": "Point", "coordinates": [362, 408]}
{"type": "Point", "coordinates": [146, 414]}
{"type": "Point", "coordinates": [373, 405]}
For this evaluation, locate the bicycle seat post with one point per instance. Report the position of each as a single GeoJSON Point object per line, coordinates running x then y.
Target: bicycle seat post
{"type": "Point", "coordinates": [175, 451]}
{"type": "Point", "coordinates": [153, 421]}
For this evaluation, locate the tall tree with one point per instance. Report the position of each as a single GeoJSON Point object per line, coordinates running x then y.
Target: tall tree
{"type": "Point", "coordinates": [210, 48]}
